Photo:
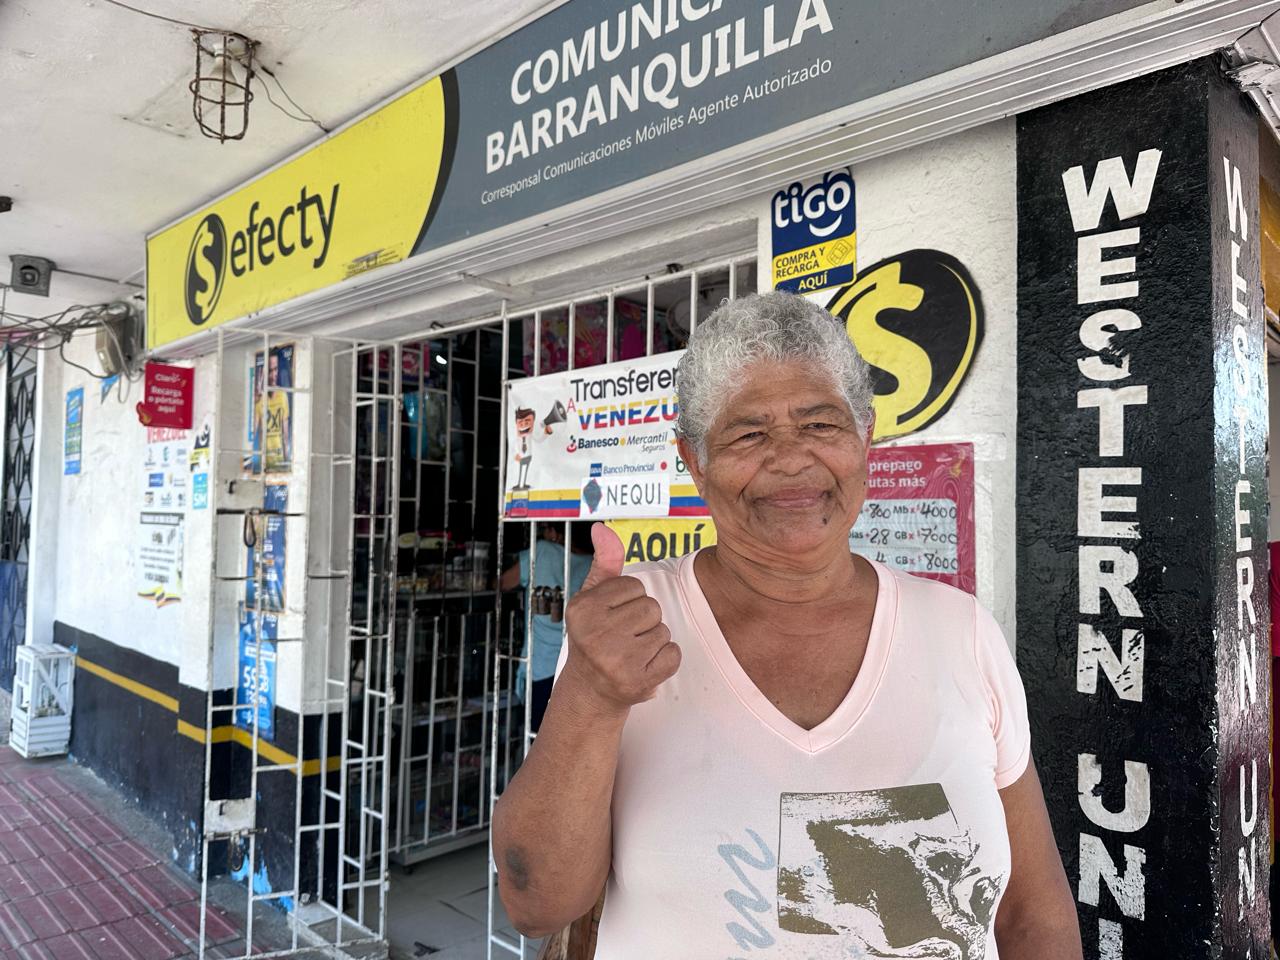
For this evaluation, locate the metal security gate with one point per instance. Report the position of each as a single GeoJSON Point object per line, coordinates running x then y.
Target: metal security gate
{"type": "Point", "coordinates": [297, 814]}
{"type": "Point", "coordinates": [628, 321]}
{"type": "Point", "coordinates": [20, 402]}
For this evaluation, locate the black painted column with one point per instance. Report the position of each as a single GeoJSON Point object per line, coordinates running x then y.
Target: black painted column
{"type": "Point", "coordinates": [1142, 509]}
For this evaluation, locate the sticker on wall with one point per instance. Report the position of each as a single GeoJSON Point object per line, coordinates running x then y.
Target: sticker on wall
{"type": "Point", "coordinates": [917, 318]}
{"type": "Point", "coordinates": [814, 232]}
{"type": "Point", "coordinates": [201, 443]}
{"type": "Point", "coordinates": [73, 432]}
{"type": "Point", "coordinates": [200, 491]}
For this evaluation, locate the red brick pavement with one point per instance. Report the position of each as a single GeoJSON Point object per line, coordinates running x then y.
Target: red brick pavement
{"type": "Point", "coordinates": [74, 886]}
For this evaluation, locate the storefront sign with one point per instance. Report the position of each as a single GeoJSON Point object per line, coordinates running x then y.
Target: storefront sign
{"type": "Point", "coordinates": [1142, 504]}
{"type": "Point", "coordinates": [648, 540]}
{"type": "Point", "coordinates": [159, 557]}
{"type": "Point", "coordinates": [586, 98]}
{"type": "Point", "coordinates": [256, 681]}
{"type": "Point", "coordinates": [814, 232]}
{"type": "Point", "coordinates": [73, 432]}
{"type": "Point", "coordinates": [918, 515]}
{"type": "Point", "coordinates": [597, 444]}
{"type": "Point", "coordinates": [917, 318]}
{"type": "Point", "coordinates": [166, 396]}
{"type": "Point", "coordinates": [353, 202]}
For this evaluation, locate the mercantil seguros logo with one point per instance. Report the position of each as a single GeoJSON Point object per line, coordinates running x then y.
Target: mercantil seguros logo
{"type": "Point", "coordinates": [206, 269]}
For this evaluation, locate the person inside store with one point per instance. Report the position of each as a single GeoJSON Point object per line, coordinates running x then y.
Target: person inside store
{"type": "Point", "coordinates": [548, 627]}
{"type": "Point", "coordinates": [772, 744]}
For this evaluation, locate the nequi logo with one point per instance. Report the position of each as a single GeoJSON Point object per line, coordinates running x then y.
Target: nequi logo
{"type": "Point", "coordinates": [917, 320]}
{"type": "Point", "coordinates": [206, 268]}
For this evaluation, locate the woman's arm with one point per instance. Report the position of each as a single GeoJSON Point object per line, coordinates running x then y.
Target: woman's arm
{"type": "Point", "coordinates": [552, 832]}
{"type": "Point", "coordinates": [1037, 916]}
{"type": "Point", "coordinates": [552, 827]}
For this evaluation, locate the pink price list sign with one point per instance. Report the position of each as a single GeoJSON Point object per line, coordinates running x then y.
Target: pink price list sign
{"type": "Point", "coordinates": [918, 515]}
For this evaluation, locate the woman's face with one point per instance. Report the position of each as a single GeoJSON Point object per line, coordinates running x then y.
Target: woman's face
{"type": "Point", "coordinates": [786, 465]}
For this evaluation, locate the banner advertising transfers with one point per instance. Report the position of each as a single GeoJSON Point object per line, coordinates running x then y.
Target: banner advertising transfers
{"type": "Point", "coordinates": [597, 444]}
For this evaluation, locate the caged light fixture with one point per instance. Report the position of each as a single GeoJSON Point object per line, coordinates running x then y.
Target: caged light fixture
{"type": "Point", "coordinates": [221, 89]}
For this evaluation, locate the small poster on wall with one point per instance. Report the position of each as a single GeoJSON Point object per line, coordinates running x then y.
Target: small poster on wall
{"type": "Point", "coordinates": [918, 515]}
{"type": "Point", "coordinates": [256, 681]}
{"type": "Point", "coordinates": [165, 494]}
{"type": "Point", "coordinates": [159, 556]}
{"type": "Point", "coordinates": [275, 501]}
{"type": "Point", "coordinates": [73, 432]}
{"type": "Point", "coordinates": [270, 427]}
{"type": "Point", "coordinates": [597, 444]}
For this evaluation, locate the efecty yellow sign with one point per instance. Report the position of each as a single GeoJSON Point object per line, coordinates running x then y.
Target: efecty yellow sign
{"type": "Point", "coordinates": [360, 199]}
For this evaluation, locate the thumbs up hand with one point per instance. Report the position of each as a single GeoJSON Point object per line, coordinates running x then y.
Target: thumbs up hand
{"type": "Point", "coordinates": [619, 648]}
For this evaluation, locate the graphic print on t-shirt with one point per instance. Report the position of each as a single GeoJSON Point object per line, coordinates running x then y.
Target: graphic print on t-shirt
{"type": "Point", "coordinates": [889, 871]}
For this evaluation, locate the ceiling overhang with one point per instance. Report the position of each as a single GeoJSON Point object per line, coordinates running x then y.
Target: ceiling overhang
{"type": "Point", "coordinates": [1099, 54]}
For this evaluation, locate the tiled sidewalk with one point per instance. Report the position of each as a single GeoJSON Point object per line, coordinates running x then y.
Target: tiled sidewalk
{"type": "Point", "coordinates": [75, 886]}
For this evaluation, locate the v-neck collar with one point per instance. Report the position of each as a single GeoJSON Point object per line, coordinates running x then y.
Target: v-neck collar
{"type": "Point", "coordinates": [855, 702]}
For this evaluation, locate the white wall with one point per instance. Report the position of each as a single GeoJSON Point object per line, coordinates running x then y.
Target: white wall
{"type": "Point", "coordinates": [94, 581]}
{"type": "Point", "coordinates": [957, 195]}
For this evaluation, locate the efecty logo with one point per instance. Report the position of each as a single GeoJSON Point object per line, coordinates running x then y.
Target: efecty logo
{"type": "Point", "coordinates": [206, 268]}
{"type": "Point", "coordinates": [814, 234]}
{"type": "Point", "coordinates": [917, 319]}
{"type": "Point", "coordinates": [262, 240]}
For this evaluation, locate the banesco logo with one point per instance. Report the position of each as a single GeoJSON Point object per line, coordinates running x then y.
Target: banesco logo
{"type": "Point", "coordinates": [917, 318]}
{"type": "Point", "coordinates": [206, 268]}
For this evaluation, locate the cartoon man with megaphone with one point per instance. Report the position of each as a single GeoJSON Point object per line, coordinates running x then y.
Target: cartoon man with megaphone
{"type": "Point", "coordinates": [525, 435]}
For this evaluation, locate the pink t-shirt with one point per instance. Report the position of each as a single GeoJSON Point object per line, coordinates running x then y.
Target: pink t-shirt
{"type": "Point", "coordinates": [878, 833]}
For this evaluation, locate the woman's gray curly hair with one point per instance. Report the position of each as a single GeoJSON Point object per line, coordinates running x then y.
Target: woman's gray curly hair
{"type": "Point", "coordinates": [774, 327]}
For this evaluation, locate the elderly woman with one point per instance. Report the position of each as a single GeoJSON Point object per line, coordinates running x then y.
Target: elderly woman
{"type": "Point", "coordinates": [773, 746]}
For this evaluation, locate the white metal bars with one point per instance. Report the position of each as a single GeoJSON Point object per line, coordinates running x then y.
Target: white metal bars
{"type": "Point", "coordinates": [335, 897]}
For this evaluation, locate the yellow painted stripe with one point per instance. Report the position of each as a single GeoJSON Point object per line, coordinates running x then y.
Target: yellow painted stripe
{"type": "Point", "coordinates": [222, 734]}
{"type": "Point", "coordinates": [133, 686]}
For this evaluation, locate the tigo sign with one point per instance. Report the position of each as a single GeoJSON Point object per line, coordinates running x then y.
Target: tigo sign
{"type": "Point", "coordinates": [814, 234]}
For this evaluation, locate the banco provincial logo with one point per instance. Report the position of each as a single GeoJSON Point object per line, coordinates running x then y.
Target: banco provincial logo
{"type": "Point", "coordinates": [917, 319]}
{"type": "Point", "coordinates": [206, 269]}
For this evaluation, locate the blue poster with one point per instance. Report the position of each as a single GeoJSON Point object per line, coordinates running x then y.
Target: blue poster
{"type": "Point", "coordinates": [73, 434]}
{"type": "Point", "coordinates": [274, 502]}
{"type": "Point", "coordinates": [256, 683]}
{"type": "Point", "coordinates": [200, 491]}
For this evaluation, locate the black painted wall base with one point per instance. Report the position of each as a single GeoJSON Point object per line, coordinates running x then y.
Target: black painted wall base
{"type": "Point", "coordinates": [1142, 509]}
{"type": "Point", "coordinates": [126, 730]}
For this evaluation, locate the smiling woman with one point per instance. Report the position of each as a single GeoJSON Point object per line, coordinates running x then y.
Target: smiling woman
{"type": "Point", "coordinates": [771, 742]}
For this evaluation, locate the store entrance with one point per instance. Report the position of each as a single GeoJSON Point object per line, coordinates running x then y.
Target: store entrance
{"type": "Point", "coordinates": [464, 681]}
